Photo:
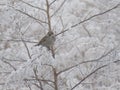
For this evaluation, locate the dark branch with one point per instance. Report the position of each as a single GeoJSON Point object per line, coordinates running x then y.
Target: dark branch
{"type": "Point", "coordinates": [27, 49]}
{"type": "Point", "coordinates": [95, 60]}
{"type": "Point", "coordinates": [38, 20]}
{"type": "Point", "coordinates": [33, 6]}
{"type": "Point", "coordinates": [93, 73]}
{"type": "Point", "coordinates": [17, 40]}
{"type": "Point", "coordinates": [9, 64]}
{"type": "Point", "coordinates": [37, 78]}
{"type": "Point", "coordinates": [52, 2]}
{"type": "Point", "coordinates": [59, 8]}
{"type": "Point", "coordinates": [96, 15]}
{"type": "Point", "coordinates": [88, 76]}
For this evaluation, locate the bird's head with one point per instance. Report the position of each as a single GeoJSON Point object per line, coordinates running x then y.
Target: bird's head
{"type": "Point", "coordinates": [50, 33]}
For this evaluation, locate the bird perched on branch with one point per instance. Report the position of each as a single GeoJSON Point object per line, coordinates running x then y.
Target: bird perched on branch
{"type": "Point", "coordinates": [47, 41]}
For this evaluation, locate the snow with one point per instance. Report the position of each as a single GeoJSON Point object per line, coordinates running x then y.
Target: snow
{"type": "Point", "coordinates": [78, 51]}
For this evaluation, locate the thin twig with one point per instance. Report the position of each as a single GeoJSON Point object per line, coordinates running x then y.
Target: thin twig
{"type": "Point", "coordinates": [96, 15]}
{"type": "Point", "coordinates": [87, 31]}
{"type": "Point", "coordinates": [13, 60]}
{"type": "Point", "coordinates": [93, 73]}
{"type": "Point", "coordinates": [55, 78]}
{"type": "Point", "coordinates": [33, 6]}
{"type": "Point", "coordinates": [9, 64]}
{"type": "Point", "coordinates": [59, 8]}
{"type": "Point", "coordinates": [18, 40]}
{"type": "Point", "coordinates": [62, 24]}
{"type": "Point", "coordinates": [88, 76]}
{"type": "Point", "coordinates": [37, 78]}
{"type": "Point", "coordinates": [52, 2]}
{"type": "Point", "coordinates": [28, 52]}
{"type": "Point", "coordinates": [48, 15]}
{"type": "Point", "coordinates": [37, 20]}
{"type": "Point", "coordinates": [89, 61]}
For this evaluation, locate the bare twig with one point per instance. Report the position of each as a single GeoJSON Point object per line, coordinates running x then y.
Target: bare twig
{"type": "Point", "coordinates": [87, 31]}
{"type": "Point", "coordinates": [59, 8]}
{"type": "Point", "coordinates": [96, 15]}
{"type": "Point", "coordinates": [55, 76]}
{"type": "Point", "coordinates": [37, 20]}
{"type": "Point", "coordinates": [14, 60]}
{"type": "Point", "coordinates": [94, 60]}
{"type": "Point", "coordinates": [88, 76]}
{"type": "Point", "coordinates": [48, 15]}
{"type": "Point", "coordinates": [52, 2]}
{"type": "Point", "coordinates": [18, 40]}
{"type": "Point", "coordinates": [55, 79]}
{"type": "Point", "coordinates": [9, 64]}
{"type": "Point", "coordinates": [62, 24]}
{"type": "Point", "coordinates": [37, 78]}
{"type": "Point", "coordinates": [36, 85]}
{"type": "Point", "coordinates": [28, 52]}
{"type": "Point", "coordinates": [93, 73]}
{"type": "Point", "coordinates": [33, 6]}
{"type": "Point", "coordinates": [49, 24]}
{"type": "Point", "coordinates": [53, 52]}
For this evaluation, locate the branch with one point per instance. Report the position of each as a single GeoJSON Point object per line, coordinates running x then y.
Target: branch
{"type": "Point", "coordinates": [37, 20]}
{"type": "Point", "coordinates": [28, 52]}
{"type": "Point", "coordinates": [94, 60]}
{"type": "Point", "coordinates": [52, 2]}
{"type": "Point", "coordinates": [88, 76]}
{"type": "Point", "coordinates": [37, 78]}
{"type": "Point", "coordinates": [93, 73]}
{"type": "Point", "coordinates": [83, 21]}
{"type": "Point", "coordinates": [14, 60]}
{"type": "Point", "coordinates": [87, 31]}
{"type": "Point", "coordinates": [55, 76]}
{"type": "Point", "coordinates": [62, 24]}
{"type": "Point", "coordinates": [33, 6]}
{"type": "Point", "coordinates": [17, 40]}
{"type": "Point", "coordinates": [48, 15]}
{"type": "Point", "coordinates": [59, 8]}
{"type": "Point", "coordinates": [44, 80]}
{"type": "Point", "coordinates": [9, 64]}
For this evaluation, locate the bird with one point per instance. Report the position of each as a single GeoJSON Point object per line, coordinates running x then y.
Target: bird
{"type": "Point", "coordinates": [47, 41]}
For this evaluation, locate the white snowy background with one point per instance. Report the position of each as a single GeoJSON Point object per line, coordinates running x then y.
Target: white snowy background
{"type": "Point", "coordinates": [84, 48]}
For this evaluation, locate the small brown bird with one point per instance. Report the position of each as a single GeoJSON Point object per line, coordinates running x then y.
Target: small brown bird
{"type": "Point", "coordinates": [47, 41]}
